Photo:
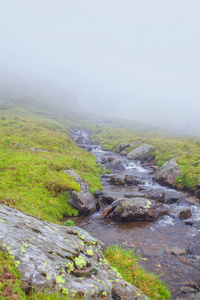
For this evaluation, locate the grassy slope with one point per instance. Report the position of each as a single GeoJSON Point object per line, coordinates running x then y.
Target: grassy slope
{"type": "Point", "coordinates": [35, 181]}
{"type": "Point", "coordinates": [185, 150]}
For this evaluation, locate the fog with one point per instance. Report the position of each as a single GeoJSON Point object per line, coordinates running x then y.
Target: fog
{"type": "Point", "coordinates": [130, 59]}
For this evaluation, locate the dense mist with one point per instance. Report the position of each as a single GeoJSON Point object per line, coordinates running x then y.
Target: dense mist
{"type": "Point", "coordinates": [130, 59]}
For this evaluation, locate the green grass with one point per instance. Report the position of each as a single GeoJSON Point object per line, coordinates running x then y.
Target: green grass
{"type": "Point", "coordinates": [126, 263]}
{"type": "Point", "coordinates": [35, 181]}
{"type": "Point", "coordinates": [185, 150]}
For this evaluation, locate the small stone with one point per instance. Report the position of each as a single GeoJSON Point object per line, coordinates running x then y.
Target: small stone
{"type": "Point", "coordinates": [185, 214]}
{"type": "Point", "coordinates": [177, 250]}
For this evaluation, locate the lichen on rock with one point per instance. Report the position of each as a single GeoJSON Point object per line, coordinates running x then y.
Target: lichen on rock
{"type": "Point", "coordinates": [62, 258]}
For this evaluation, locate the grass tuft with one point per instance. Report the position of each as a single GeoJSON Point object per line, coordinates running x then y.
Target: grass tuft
{"type": "Point", "coordinates": [126, 262]}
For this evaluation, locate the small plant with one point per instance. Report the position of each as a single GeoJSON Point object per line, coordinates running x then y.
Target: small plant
{"type": "Point", "coordinates": [69, 223]}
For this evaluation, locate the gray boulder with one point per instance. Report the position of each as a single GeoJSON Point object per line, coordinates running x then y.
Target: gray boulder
{"type": "Point", "coordinates": [137, 208]}
{"type": "Point", "coordinates": [122, 147]}
{"type": "Point", "coordinates": [117, 165]}
{"type": "Point", "coordinates": [83, 200]}
{"type": "Point", "coordinates": [168, 173]}
{"type": "Point", "coordinates": [66, 259]}
{"type": "Point", "coordinates": [140, 152]}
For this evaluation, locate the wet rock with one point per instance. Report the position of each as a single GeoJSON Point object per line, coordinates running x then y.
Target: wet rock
{"type": "Point", "coordinates": [140, 152]}
{"type": "Point", "coordinates": [106, 212]}
{"type": "Point", "coordinates": [155, 194]}
{"type": "Point", "coordinates": [66, 259]}
{"type": "Point", "coordinates": [154, 167]}
{"type": "Point", "coordinates": [172, 196]}
{"type": "Point", "coordinates": [197, 194]}
{"type": "Point", "coordinates": [189, 222]}
{"type": "Point", "coordinates": [168, 173]}
{"type": "Point", "coordinates": [104, 201]}
{"type": "Point", "coordinates": [137, 208]}
{"type": "Point", "coordinates": [110, 158]}
{"type": "Point", "coordinates": [131, 180]}
{"type": "Point", "coordinates": [114, 180]}
{"type": "Point", "coordinates": [97, 194]}
{"type": "Point", "coordinates": [117, 165]}
{"type": "Point", "coordinates": [123, 153]}
{"type": "Point", "coordinates": [175, 250]}
{"type": "Point", "coordinates": [103, 160]}
{"type": "Point", "coordinates": [83, 200]}
{"type": "Point", "coordinates": [122, 147]}
{"type": "Point", "coordinates": [185, 214]}
{"type": "Point", "coordinates": [193, 200]}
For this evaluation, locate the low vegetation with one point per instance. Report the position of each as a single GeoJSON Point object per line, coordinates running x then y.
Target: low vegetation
{"type": "Point", "coordinates": [126, 263]}
{"type": "Point", "coordinates": [34, 153]}
{"type": "Point", "coordinates": [186, 150]}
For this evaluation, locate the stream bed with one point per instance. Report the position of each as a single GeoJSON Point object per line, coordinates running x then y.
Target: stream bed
{"type": "Point", "coordinates": [169, 246]}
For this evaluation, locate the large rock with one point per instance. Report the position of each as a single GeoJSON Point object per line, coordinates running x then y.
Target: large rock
{"type": "Point", "coordinates": [140, 152]}
{"type": "Point", "coordinates": [67, 259]}
{"type": "Point", "coordinates": [168, 173]}
{"type": "Point", "coordinates": [137, 208]}
{"type": "Point", "coordinates": [122, 147]}
{"type": "Point", "coordinates": [117, 165]}
{"type": "Point", "coordinates": [83, 200]}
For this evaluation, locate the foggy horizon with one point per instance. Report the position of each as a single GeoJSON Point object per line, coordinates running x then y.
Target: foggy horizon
{"type": "Point", "coordinates": [136, 61]}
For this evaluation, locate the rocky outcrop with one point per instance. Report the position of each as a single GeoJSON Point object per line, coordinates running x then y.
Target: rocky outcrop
{"type": "Point", "coordinates": [122, 147]}
{"type": "Point", "coordinates": [152, 194]}
{"type": "Point", "coordinates": [117, 165]}
{"type": "Point", "coordinates": [67, 259]}
{"type": "Point", "coordinates": [131, 180]}
{"type": "Point", "coordinates": [168, 173]}
{"type": "Point", "coordinates": [83, 200]}
{"type": "Point", "coordinates": [114, 180]}
{"type": "Point", "coordinates": [137, 208]}
{"type": "Point", "coordinates": [140, 152]}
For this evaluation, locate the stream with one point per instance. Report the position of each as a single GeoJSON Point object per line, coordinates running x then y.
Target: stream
{"type": "Point", "coordinates": [169, 246]}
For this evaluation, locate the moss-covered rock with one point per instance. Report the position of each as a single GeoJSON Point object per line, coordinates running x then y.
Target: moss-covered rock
{"type": "Point", "coordinates": [66, 259]}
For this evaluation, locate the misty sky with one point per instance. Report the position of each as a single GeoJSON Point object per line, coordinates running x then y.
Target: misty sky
{"type": "Point", "coordinates": [135, 59]}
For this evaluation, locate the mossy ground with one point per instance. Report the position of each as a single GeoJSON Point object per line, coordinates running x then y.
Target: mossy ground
{"type": "Point", "coordinates": [35, 181]}
{"type": "Point", "coordinates": [185, 150]}
{"type": "Point", "coordinates": [126, 262]}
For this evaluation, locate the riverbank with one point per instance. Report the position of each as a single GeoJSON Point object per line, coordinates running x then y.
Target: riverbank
{"type": "Point", "coordinates": [185, 150]}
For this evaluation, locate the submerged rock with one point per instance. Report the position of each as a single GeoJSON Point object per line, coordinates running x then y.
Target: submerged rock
{"type": "Point", "coordinates": [168, 173]}
{"type": "Point", "coordinates": [137, 208]}
{"type": "Point", "coordinates": [140, 152]}
{"type": "Point", "coordinates": [83, 200]}
{"type": "Point", "coordinates": [67, 259]}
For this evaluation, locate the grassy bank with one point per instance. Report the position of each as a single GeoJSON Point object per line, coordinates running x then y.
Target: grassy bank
{"type": "Point", "coordinates": [34, 180]}
{"type": "Point", "coordinates": [126, 262]}
{"type": "Point", "coordinates": [185, 150]}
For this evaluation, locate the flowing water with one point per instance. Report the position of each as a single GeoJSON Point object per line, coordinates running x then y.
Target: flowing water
{"type": "Point", "coordinates": [168, 246]}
